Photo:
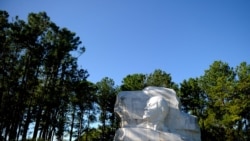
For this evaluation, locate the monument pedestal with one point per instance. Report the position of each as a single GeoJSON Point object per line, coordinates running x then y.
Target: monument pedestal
{"type": "Point", "coordinates": [143, 134]}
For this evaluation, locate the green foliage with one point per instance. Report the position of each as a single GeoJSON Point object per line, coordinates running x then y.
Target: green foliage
{"type": "Point", "coordinates": [37, 77]}
{"type": "Point", "coordinates": [93, 135]}
{"type": "Point", "coordinates": [219, 100]}
{"type": "Point", "coordinates": [192, 97]}
{"type": "Point", "coordinates": [106, 96]}
{"type": "Point", "coordinates": [160, 78]}
{"type": "Point", "coordinates": [133, 82]}
{"type": "Point", "coordinates": [218, 84]}
{"type": "Point", "coordinates": [139, 81]}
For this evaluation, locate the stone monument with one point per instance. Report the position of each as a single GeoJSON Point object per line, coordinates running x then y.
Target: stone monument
{"type": "Point", "coordinates": [153, 114]}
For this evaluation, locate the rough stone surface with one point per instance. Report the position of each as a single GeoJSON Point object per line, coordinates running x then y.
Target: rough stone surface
{"type": "Point", "coordinates": [153, 114]}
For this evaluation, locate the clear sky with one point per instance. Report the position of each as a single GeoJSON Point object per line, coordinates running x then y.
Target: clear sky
{"type": "Point", "coordinates": [180, 37]}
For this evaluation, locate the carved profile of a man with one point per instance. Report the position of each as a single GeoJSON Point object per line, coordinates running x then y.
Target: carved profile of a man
{"type": "Point", "coordinates": [155, 113]}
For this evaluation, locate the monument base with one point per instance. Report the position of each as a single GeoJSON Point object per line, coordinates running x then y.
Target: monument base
{"type": "Point", "coordinates": [143, 134]}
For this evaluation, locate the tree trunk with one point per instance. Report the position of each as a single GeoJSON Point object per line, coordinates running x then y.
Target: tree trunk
{"type": "Point", "coordinates": [38, 118]}
{"type": "Point", "coordinates": [26, 125]}
{"type": "Point", "coordinates": [72, 125]}
{"type": "Point", "coordinates": [103, 125]}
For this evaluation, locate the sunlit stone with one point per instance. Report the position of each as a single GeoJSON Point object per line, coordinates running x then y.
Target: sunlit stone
{"type": "Point", "coordinates": [153, 114]}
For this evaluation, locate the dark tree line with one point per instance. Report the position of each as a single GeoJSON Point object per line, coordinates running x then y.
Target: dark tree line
{"type": "Point", "coordinates": [45, 95]}
{"type": "Point", "coordinates": [41, 85]}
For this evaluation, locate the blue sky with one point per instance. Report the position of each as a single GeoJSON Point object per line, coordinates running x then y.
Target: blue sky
{"type": "Point", "coordinates": [180, 37]}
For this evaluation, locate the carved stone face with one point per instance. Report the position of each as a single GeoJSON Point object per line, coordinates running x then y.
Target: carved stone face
{"type": "Point", "coordinates": [152, 109]}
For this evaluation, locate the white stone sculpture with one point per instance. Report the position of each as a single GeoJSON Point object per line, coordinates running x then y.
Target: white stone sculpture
{"type": "Point", "coordinates": [153, 114]}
